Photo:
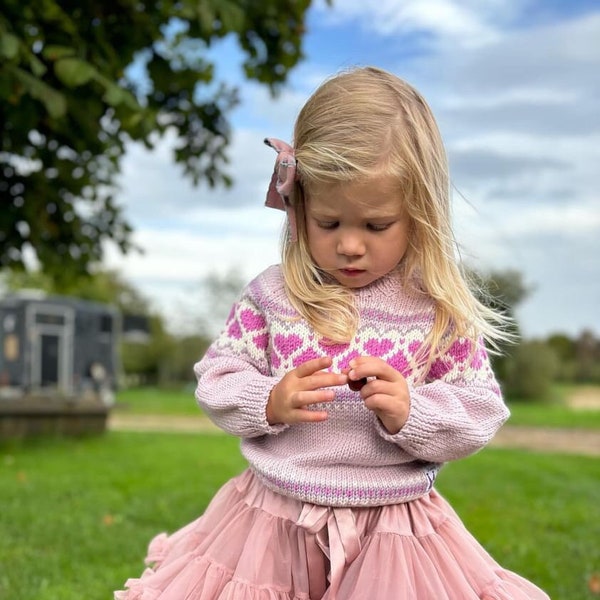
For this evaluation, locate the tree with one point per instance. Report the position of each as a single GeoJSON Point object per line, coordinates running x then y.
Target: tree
{"type": "Point", "coordinates": [218, 292]}
{"type": "Point", "coordinates": [566, 351]}
{"type": "Point", "coordinates": [530, 371]}
{"type": "Point", "coordinates": [69, 104]}
{"type": "Point", "coordinates": [587, 348]}
{"type": "Point", "coordinates": [502, 291]}
{"type": "Point", "coordinates": [106, 286]}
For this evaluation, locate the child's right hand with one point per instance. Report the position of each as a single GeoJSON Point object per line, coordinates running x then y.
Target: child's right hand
{"type": "Point", "coordinates": [301, 388]}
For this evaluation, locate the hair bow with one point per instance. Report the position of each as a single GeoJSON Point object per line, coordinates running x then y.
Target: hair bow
{"type": "Point", "coordinates": [282, 182]}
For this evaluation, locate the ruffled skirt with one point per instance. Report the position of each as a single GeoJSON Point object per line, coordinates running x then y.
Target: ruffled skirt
{"type": "Point", "coordinates": [254, 544]}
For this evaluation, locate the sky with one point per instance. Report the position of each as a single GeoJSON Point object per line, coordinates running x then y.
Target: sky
{"type": "Point", "coordinates": [515, 87]}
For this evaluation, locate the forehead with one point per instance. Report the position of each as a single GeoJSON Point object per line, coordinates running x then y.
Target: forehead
{"type": "Point", "coordinates": [374, 196]}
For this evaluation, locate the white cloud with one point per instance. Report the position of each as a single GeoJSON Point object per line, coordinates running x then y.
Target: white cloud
{"type": "Point", "coordinates": [466, 22]}
{"type": "Point", "coordinates": [177, 256]}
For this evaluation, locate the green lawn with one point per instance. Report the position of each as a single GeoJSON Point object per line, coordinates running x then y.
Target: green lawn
{"type": "Point", "coordinates": [152, 400]}
{"type": "Point", "coordinates": [76, 514]}
{"type": "Point", "coordinates": [551, 415]}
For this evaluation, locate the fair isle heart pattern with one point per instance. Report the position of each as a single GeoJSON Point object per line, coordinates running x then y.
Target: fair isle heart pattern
{"type": "Point", "coordinates": [349, 459]}
{"type": "Point", "coordinates": [287, 344]}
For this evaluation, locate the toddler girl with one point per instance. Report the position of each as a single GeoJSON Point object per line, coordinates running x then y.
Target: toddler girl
{"type": "Point", "coordinates": [351, 372]}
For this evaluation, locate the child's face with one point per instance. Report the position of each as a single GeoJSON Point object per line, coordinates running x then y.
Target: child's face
{"type": "Point", "coordinates": [357, 232]}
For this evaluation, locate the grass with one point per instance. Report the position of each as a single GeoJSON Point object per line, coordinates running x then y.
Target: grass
{"type": "Point", "coordinates": [551, 415]}
{"type": "Point", "coordinates": [556, 411]}
{"type": "Point", "coordinates": [157, 401]}
{"type": "Point", "coordinates": [77, 513]}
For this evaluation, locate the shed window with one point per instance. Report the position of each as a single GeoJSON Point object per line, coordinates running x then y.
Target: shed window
{"type": "Point", "coordinates": [49, 319]}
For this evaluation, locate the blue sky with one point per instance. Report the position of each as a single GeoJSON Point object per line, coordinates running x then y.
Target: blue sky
{"type": "Point", "coordinates": [514, 86]}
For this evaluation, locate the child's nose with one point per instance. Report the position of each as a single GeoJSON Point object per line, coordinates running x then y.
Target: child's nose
{"type": "Point", "coordinates": [350, 244]}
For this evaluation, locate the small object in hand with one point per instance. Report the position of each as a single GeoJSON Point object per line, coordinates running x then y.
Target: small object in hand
{"type": "Point", "coordinates": [356, 385]}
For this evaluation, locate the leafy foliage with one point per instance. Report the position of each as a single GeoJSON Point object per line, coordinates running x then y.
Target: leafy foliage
{"type": "Point", "coordinates": [530, 371]}
{"type": "Point", "coordinates": [69, 103]}
{"type": "Point", "coordinates": [107, 287]}
{"type": "Point", "coordinates": [502, 291]}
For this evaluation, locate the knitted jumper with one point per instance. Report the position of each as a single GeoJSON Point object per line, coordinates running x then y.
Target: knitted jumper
{"type": "Point", "coordinates": [350, 459]}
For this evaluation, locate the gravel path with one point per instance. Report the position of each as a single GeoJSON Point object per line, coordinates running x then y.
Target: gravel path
{"type": "Point", "coordinates": [542, 439]}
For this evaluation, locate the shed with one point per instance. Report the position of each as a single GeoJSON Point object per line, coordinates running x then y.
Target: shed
{"type": "Point", "coordinates": [58, 363]}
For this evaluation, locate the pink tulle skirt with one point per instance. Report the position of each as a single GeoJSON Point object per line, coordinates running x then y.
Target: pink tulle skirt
{"type": "Point", "coordinates": [254, 544]}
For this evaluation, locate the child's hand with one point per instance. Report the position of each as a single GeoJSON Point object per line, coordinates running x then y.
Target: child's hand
{"type": "Point", "coordinates": [300, 388]}
{"type": "Point", "coordinates": [386, 395]}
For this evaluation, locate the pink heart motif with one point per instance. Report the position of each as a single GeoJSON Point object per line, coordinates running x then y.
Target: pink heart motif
{"type": "Point", "coordinates": [378, 347]}
{"type": "Point", "coordinates": [234, 330]}
{"type": "Point", "coordinates": [439, 368]}
{"type": "Point", "coordinates": [478, 358]}
{"type": "Point", "coordinates": [251, 320]}
{"type": "Point", "coordinates": [261, 341]}
{"type": "Point", "coordinates": [305, 357]}
{"type": "Point", "coordinates": [460, 350]}
{"type": "Point", "coordinates": [414, 347]}
{"type": "Point", "coordinates": [286, 345]}
{"type": "Point", "coordinates": [345, 360]}
{"type": "Point", "coordinates": [400, 363]}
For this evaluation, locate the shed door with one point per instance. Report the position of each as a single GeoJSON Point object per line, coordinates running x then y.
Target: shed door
{"type": "Point", "coordinates": [51, 330]}
{"type": "Point", "coordinates": [50, 355]}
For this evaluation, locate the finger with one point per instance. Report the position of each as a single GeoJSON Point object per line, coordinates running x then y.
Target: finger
{"type": "Point", "coordinates": [312, 397]}
{"type": "Point", "coordinates": [309, 416]}
{"type": "Point", "coordinates": [313, 365]}
{"type": "Point", "coordinates": [372, 367]}
{"type": "Point", "coordinates": [378, 386]}
{"type": "Point", "coordinates": [323, 379]}
{"type": "Point", "coordinates": [382, 403]}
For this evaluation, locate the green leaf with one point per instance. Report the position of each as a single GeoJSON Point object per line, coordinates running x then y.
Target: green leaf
{"type": "Point", "coordinates": [9, 45]}
{"type": "Point", "coordinates": [54, 102]}
{"type": "Point", "coordinates": [232, 16]}
{"type": "Point", "coordinates": [73, 72]}
{"type": "Point", "coordinates": [113, 95]}
{"type": "Point", "coordinates": [38, 68]}
{"type": "Point", "coordinates": [206, 17]}
{"type": "Point", "coordinates": [54, 52]}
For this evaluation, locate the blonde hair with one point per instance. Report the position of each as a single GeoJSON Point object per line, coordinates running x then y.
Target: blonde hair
{"type": "Point", "coordinates": [366, 123]}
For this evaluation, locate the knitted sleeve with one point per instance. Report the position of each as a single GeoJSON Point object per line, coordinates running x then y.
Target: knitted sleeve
{"type": "Point", "coordinates": [457, 411]}
{"type": "Point", "coordinates": [234, 380]}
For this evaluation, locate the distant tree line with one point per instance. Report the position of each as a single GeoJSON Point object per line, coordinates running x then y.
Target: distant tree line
{"type": "Point", "coordinates": [532, 366]}
{"type": "Point", "coordinates": [528, 369]}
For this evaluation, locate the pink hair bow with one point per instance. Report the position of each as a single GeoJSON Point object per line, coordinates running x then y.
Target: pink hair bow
{"type": "Point", "coordinates": [282, 182]}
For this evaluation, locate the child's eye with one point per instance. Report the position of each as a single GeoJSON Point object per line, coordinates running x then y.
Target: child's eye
{"type": "Point", "coordinates": [327, 224]}
{"type": "Point", "coordinates": [378, 226]}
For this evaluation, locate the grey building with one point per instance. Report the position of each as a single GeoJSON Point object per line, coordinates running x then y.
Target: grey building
{"type": "Point", "coordinates": [58, 355]}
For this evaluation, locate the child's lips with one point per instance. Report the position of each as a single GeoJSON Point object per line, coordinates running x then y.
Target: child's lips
{"type": "Point", "coordinates": [352, 272]}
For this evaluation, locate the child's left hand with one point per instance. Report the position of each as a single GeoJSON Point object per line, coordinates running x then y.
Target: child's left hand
{"type": "Point", "coordinates": [386, 395]}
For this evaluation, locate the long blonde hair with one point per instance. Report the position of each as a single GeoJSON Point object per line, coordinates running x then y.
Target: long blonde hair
{"type": "Point", "coordinates": [365, 123]}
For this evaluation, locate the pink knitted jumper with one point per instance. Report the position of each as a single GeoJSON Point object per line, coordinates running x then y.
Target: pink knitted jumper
{"type": "Point", "coordinates": [349, 459]}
